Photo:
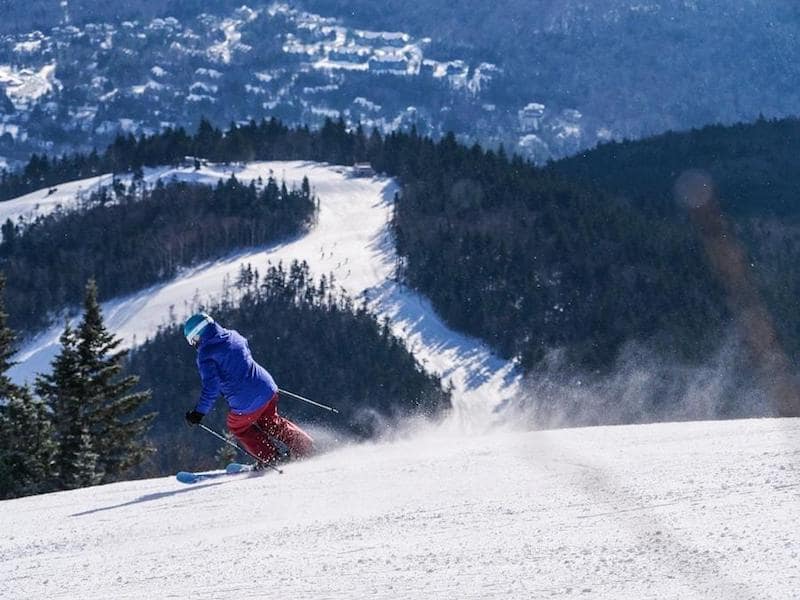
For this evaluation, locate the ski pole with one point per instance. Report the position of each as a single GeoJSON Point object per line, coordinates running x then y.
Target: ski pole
{"type": "Point", "coordinates": [239, 448]}
{"type": "Point", "coordinates": [330, 408]}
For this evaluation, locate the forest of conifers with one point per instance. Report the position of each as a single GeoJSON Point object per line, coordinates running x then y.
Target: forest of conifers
{"type": "Point", "coordinates": [585, 255]}
{"type": "Point", "coordinates": [133, 238]}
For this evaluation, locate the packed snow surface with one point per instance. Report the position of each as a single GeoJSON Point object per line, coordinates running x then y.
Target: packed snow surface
{"type": "Point", "coordinates": [673, 511]}
{"type": "Point", "coordinates": [67, 196]}
{"type": "Point", "coordinates": [43, 202]}
{"type": "Point", "coordinates": [350, 240]}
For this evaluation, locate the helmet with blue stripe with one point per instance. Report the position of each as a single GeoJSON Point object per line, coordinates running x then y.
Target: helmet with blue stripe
{"type": "Point", "coordinates": [194, 327]}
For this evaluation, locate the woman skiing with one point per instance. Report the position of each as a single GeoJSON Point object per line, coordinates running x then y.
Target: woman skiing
{"type": "Point", "coordinates": [227, 367]}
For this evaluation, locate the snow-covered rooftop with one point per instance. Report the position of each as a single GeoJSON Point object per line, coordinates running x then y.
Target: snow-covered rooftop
{"type": "Point", "coordinates": [23, 86]}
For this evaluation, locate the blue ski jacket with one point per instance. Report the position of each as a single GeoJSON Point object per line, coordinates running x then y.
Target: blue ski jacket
{"type": "Point", "coordinates": [226, 366]}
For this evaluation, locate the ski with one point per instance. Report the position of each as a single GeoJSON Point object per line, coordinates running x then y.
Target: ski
{"type": "Point", "coordinates": [231, 469]}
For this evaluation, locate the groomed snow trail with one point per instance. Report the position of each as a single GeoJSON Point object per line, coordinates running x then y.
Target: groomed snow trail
{"type": "Point", "coordinates": [350, 240]}
{"type": "Point", "coordinates": [70, 194]}
{"type": "Point", "coordinates": [673, 511]}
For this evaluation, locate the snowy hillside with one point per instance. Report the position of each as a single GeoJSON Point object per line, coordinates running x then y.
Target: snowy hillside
{"type": "Point", "coordinates": [470, 508]}
{"type": "Point", "coordinates": [222, 63]}
{"type": "Point", "coordinates": [546, 78]}
{"type": "Point", "coordinates": [672, 511]}
{"type": "Point", "coordinates": [350, 240]}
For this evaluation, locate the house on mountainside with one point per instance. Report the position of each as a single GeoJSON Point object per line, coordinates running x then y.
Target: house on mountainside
{"type": "Point", "coordinates": [363, 170]}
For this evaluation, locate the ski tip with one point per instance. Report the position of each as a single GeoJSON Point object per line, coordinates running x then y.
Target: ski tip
{"type": "Point", "coordinates": [186, 477]}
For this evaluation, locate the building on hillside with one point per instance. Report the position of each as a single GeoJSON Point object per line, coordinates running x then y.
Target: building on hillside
{"type": "Point", "coordinates": [530, 117]}
{"type": "Point", "coordinates": [393, 65]}
{"type": "Point", "coordinates": [363, 170]}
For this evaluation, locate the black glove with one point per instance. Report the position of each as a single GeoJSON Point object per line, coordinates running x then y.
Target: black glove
{"type": "Point", "coordinates": [193, 417]}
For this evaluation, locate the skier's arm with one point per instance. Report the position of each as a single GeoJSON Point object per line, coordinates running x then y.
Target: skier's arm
{"type": "Point", "coordinates": [209, 376]}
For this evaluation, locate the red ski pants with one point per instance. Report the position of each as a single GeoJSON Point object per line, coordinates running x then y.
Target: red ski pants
{"type": "Point", "coordinates": [255, 429]}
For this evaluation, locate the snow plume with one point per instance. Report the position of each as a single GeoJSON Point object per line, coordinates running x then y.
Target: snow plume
{"type": "Point", "coordinates": [376, 429]}
{"type": "Point", "coordinates": [696, 192]}
{"type": "Point", "coordinates": [641, 388]}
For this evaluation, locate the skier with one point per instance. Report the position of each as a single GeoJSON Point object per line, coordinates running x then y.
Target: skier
{"type": "Point", "coordinates": [226, 366]}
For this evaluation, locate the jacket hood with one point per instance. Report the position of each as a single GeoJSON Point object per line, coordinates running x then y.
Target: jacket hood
{"type": "Point", "coordinates": [212, 330]}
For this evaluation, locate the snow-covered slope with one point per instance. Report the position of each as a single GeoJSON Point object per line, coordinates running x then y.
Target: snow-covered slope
{"type": "Point", "coordinates": [351, 240]}
{"type": "Point", "coordinates": [456, 510]}
{"type": "Point", "coordinates": [47, 200]}
{"type": "Point", "coordinates": [671, 511]}
{"type": "Point", "coordinates": [68, 195]}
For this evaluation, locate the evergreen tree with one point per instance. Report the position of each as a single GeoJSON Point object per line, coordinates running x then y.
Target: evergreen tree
{"type": "Point", "coordinates": [116, 425]}
{"type": "Point", "coordinates": [99, 422]}
{"type": "Point", "coordinates": [26, 445]}
{"type": "Point", "coordinates": [76, 463]}
{"type": "Point", "coordinates": [85, 466]}
{"type": "Point", "coordinates": [7, 339]}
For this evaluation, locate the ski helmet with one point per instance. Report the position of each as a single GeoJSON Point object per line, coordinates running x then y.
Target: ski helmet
{"type": "Point", "coordinates": [194, 326]}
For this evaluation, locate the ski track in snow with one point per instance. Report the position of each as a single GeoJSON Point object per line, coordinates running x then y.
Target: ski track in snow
{"type": "Point", "coordinates": [670, 511]}
{"type": "Point", "coordinates": [350, 240]}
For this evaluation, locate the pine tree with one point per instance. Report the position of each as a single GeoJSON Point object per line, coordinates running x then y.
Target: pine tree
{"type": "Point", "coordinates": [7, 339]}
{"type": "Point", "coordinates": [63, 390]}
{"type": "Point", "coordinates": [26, 445]}
{"type": "Point", "coordinates": [85, 468]}
{"type": "Point", "coordinates": [99, 433]}
{"type": "Point", "coordinates": [117, 428]}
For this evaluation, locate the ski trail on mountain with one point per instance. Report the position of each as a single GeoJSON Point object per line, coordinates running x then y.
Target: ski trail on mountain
{"type": "Point", "coordinates": [350, 240]}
